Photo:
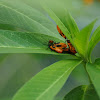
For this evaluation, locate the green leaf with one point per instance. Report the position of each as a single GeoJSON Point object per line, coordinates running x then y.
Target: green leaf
{"type": "Point", "coordinates": [63, 19]}
{"type": "Point", "coordinates": [47, 83]}
{"type": "Point", "coordinates": [83, 92]}
{"type": "Point", "coordinates": [82, 40]}
{"type": "Point", "coordinates": [94, 40]}
{"type": "Point", "coordinates": [24, 42]}
{"type": "Point", "coordinates": [71, 24]}
{"type": "Point", "coordinates": [94, 72]}
{"type": "Point", "coordinates": [20, 69]}
{"type": "Point", "coordinates": [27, 42]}
{"type": "Point", "coordinates": [55, 16]}
{"type": "Point", "coordinates": [26, 18]}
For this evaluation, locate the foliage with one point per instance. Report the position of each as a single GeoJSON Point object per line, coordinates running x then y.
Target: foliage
{"type": "Point", "coordinates": [25, 29]}
{"type": "Point", "coordinates": [80, 93]}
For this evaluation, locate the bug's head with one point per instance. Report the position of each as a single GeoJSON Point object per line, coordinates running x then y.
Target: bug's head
{"type": "Point", "coordinates": [68, 41]}
{"type": "Point", "coordinates": [50, 42]}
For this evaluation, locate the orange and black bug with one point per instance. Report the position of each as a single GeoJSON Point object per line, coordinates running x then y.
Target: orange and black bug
{"type": "Point", "coordinates": [60, 32]}
{"type": "Point", "coordinates": [50, 43]}
{"type": "Point", "coordinates": [62, 47]}
{"type": "Point", "coordinates": [57, 47]}
{"type": "Point", "coordinates": [71, 49]}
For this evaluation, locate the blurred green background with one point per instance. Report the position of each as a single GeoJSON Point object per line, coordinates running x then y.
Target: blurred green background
{"type": "Point", "coordinates": [17, 69]}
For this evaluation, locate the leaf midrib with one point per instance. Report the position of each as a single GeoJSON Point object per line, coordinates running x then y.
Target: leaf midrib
{"type": "Point", "coordinates": [83, 97]}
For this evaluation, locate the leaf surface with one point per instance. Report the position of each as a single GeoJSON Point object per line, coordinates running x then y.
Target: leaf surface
{"type": "Point", "coordinates": [82, 40]}
{"type": "Point", "coordinates": [47, 83]}
{"type": "Point", "coordinates": [93, 41]}
{"type": "Point", "coordinates": [94, 72]}
{"type": "Point", "coordinates": [83, 92]}
{"type": "Point", "coordinates": [26, 18]}
{"type": "Point", "coordinates": [24, 42]}
{"type": "Point", "coordinates": [64, 20]}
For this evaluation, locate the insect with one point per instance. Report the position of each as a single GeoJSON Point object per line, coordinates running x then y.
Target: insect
{"type": "Point", "coordinates": [60, 32]}
{"type": "Point", "coordinates": [57, 47]}
{"type": "Point", "coordinates": [71, 49]}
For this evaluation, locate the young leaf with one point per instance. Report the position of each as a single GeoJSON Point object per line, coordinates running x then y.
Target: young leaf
{"type": "Point", "coordinates": [82, 40]}
{"type": "Point", "coordinates": [71, 24]}
{"type": "Point", "coordinates": [64, 20]}
{"type": "Point", "coordinates": [57, 18]}
{"type": "Point", "coordinates": [25, 42]}
{"type": "Point", "coordinates": [25, 18]}
{"type": "Point", "coordinates": [83, 92]}
{"type": "Point", "coordinates": [94, 40]}
{"type": "Point", "coordinates": [47, 83]}
{"type": "Point", "coordinates": [94, 72]}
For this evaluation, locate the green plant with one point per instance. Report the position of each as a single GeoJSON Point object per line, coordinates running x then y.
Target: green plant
{"type": "Point", "coordinates": [26, 30]}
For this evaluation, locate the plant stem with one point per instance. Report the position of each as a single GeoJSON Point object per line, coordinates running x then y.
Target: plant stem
{"type": "Point", "coordinates": [90, 59]}
{"type": "Point", "coordinates": [84, 63]}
